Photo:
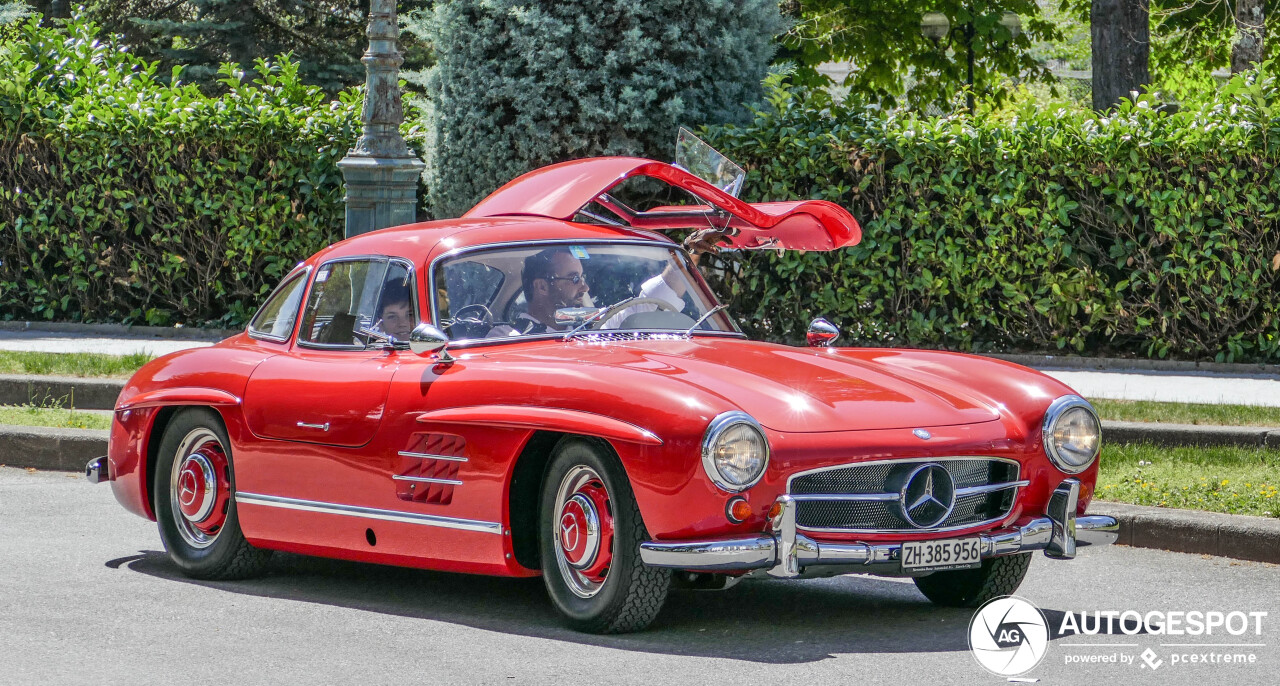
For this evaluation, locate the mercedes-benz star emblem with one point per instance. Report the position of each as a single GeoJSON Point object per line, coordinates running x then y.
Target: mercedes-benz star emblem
{"type": "Point", "coordinates": [928, 495]}
{"type": "Point", "coordinates": [568, 532]}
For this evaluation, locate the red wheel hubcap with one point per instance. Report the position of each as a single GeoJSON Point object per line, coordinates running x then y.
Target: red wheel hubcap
{"type": "Point", "coordinates": [202, 489]}
{"type": "Point", "coordinates": [586, 531]}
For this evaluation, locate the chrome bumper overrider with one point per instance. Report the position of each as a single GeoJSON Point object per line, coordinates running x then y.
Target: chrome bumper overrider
{"type": "Point", "coordinates": [97, 470]}
{"type": "Point", "coordinates": [785, 553]}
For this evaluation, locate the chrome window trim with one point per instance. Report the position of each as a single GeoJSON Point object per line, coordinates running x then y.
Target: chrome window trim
{"type": "Point", "coordinates": [305, 274]}
{"type": "Point", "coordinates": [469, 342]}
{"type": "Point", "coordinates": [429, 456]}
{"type": "Point", "coordinates": [426, 480]}
{"type": "Point", "coordinates": [369, 513]}
{"type": "Point", "coordinates": [1056, 409]}
{"type": "Point", "coordinates": [413, 289]}
{"type": "Point", "coordinates": [723, 421]}
{"type": "Point", "coordinates": [1015, 485]}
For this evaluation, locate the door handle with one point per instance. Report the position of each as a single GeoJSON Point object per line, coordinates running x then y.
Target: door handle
{"type": "Point", "coordinates": [322, 427]}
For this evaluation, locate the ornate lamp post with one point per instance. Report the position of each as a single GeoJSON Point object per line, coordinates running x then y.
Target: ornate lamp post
{"type": "Point", "coordinates": [935, 26]}
{"type": "Point", "coordinates": [381, 172]}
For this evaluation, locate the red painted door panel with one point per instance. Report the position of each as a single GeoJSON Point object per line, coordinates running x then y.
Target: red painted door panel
{"type": "Point", "coordinates": [331, 398]}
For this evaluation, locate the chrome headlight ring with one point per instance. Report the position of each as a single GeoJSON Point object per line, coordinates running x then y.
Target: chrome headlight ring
{"type": "Point", "coordinates": [717, 430]}
{"type": "Point", "coordinates": [1062, 456]}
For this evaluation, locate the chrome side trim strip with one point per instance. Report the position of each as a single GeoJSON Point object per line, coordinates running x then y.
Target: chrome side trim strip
{"type": "Point", "coordinates": [990, 488]}
{"type": "Point", "coordinates": [369, 513]}
{"type": "Point", "coordinates": [429, 456]}
{"type": "Point", "coordinates": [426, 480]}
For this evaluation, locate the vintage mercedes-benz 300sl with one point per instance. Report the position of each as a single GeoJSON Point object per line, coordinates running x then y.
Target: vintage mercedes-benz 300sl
{"type": "Point", "coordinates": [547, 385]}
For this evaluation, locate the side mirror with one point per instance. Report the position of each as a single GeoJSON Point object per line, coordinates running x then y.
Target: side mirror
{"type": "Point", "coordinates": [821, 334]}
{"type": "Point", "coordinates": [426, 339]}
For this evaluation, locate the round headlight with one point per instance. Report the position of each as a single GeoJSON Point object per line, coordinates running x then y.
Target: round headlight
{"type": "Point", "coordinates": [1072, 433]}
{"type": "Point", "coordinates": [735, 451]}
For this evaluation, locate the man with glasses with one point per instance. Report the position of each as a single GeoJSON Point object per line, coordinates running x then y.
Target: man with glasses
{"type": "Point", "coordinates": [552, 279]}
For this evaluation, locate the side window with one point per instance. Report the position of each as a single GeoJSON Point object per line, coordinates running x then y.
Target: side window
{"type": "Point", "coordinates": [275, 319]}
{"type": "Point", "coordinates": [351, 297]}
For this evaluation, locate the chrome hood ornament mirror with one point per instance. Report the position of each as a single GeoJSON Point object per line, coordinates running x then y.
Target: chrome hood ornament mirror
{"type": "Point", "coordinates": [426, 339]}
{"type": "Point", "coordinates": [822, 333]}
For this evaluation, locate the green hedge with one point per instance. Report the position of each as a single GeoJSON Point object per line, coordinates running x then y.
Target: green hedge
{"type": "Point", "coordinates": [1140, 233]}
{"type": "Point", "coordinates": [126, 199]}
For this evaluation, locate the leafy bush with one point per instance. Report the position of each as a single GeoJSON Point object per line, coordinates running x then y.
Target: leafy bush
{"type": "Point", "coordinates": [519, 85]}
{"type": "Point", "coordinates": [1140, 233]}
{"type": "Point", "coordinates": [126, 199]}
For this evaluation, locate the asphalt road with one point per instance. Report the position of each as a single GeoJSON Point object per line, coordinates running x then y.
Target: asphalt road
{"type": "Point", "coordinates": [90, 598]}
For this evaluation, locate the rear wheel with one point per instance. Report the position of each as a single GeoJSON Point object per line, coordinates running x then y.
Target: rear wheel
{"type": "Point", "coordinates": [998, 576]}
{"type": "Point", "coordinates": [195, 503]}
{"type": "Point", "coordinates": [590, 533]}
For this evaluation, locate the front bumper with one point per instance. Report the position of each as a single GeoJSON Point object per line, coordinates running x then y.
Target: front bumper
{"type": "Point", "coordinates": [785, 553]}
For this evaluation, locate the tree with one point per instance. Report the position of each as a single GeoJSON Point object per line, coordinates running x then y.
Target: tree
{"type": "Point", "coordinates": [892, 58]}
{"type": "Point", "coordinates": [1247, 49]}
{"type": "Point", "coordinates": [12, 11]}
{"type": "Point", "coordinates": [327, 37]}
{"type": "Point", "coordinates": [1121, 34]}
{"type": "Point", "coordinates": [518, 84]}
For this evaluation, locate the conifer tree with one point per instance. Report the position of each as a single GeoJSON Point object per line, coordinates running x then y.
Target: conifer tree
{"type": "Point", "coordinates": [519, 84]}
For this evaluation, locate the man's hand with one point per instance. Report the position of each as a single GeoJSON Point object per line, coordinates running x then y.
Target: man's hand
{"type": "Point", "coordinates": [706, 240]}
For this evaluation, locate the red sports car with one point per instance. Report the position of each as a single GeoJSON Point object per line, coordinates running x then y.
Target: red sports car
{"type": "Point", "coordinates": [548, 386]}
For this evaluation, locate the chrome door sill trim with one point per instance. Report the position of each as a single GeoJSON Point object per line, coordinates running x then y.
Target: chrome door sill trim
{"type": "Point", "coordinates": [369, 513]}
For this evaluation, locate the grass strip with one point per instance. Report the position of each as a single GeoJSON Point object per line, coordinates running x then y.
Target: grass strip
{"type": "Point", "coordinates": [1230, 480]}
{"type": "Point", "coordinates": [32, 415]}
{"type": "Point", "coordinates": [1187, 413]}
{"type": "Point", "coordinates": [70, 364]}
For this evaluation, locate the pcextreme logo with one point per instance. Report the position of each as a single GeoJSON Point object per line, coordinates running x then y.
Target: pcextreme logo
{"type": "Point", "coordinates": [1008, 636]}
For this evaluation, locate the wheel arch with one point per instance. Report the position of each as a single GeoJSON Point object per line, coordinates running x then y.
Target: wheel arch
{"type": "Point", "coordinates": [165, 415]}
{"type": "Point", "coordinates": [527, 476]}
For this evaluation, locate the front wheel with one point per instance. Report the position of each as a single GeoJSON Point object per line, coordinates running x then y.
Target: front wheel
{"type": "Point", "coordinates": [195, 500]}
{"type": "Point", "coordinates": [998, 576]}
{"type": "Point", "coordinates": [590, 533]}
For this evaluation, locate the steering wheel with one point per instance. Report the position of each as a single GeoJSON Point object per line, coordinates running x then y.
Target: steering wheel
{"type": "Point", "coordinates": [627, 304]}
{"type": "Point", "coordinates": [468, 315]}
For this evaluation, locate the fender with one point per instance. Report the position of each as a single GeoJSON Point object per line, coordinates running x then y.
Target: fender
{"type": "Point", "coordinates": [549, 418]}
{"type": "Point", "coordinates": [180, 395]}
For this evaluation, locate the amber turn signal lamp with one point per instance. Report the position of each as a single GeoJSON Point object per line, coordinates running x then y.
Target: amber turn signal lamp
{"type": "Point", "coordinates": [737, 510]}
{"type": "Point", "coordinates": [775, 510]}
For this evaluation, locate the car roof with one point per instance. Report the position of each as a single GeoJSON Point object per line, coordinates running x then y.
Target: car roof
{"type": "Point", "coordinates": [424, 241]}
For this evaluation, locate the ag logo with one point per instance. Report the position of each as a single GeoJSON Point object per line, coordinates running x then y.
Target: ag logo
{"type": "Point", "coordinates": [1008, 636]}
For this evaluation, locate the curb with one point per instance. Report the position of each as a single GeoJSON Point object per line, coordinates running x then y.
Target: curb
{"type": "Point", "coordinates": [1198, 435]}
{"type": "Point", "coordinates": [1243, 537]}
{"type": "Point", "coordinates": [113, 330]}
{"type": "Point", "coordinates": [65, 450]}
{"type": "Point", "coordinates": [1121, 364]}
{"type": "Point", "coordinates": [63, 391]}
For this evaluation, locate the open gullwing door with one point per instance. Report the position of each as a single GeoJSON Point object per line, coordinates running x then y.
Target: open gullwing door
{"type": "Point", "coordinates": [565, 190]}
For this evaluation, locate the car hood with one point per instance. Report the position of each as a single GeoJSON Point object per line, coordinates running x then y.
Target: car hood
{"type": "Point", "coordinates": [786, 389]}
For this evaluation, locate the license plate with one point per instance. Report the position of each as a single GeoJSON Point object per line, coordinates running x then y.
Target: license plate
{"type": "Point", "coordinates": [955, 553]}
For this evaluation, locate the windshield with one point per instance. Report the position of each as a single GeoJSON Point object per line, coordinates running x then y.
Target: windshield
{"type": "Point", "coordinates": [555, 288]}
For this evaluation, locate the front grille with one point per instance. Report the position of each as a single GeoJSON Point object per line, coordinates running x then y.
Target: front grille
{"type": "Point", "coordinates": [876, 511]}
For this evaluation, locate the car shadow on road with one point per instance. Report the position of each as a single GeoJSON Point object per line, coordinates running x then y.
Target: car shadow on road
{"type": "Point", "coordinates": [774, 622]}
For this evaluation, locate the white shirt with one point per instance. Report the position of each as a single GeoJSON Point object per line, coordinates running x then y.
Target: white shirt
{"type": "Point", "coordinates": [653, 288]}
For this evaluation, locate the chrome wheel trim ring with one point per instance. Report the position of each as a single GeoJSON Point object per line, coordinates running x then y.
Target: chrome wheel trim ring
{"type": "Point", "coordinates": [187, 450]}
{"type": "Point", "coordinates": [576, 581]}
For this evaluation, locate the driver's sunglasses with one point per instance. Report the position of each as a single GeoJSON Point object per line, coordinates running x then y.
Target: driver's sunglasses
{"type": "Point", "coordinates": [575, 279]}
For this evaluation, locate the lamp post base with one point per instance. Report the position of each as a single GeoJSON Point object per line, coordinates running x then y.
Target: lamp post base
{"type": "Point", "coordinates": [380, 192]}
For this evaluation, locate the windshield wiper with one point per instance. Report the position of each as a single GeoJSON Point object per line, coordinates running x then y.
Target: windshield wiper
{"type": "Point", "coordinates": [688, 333]}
